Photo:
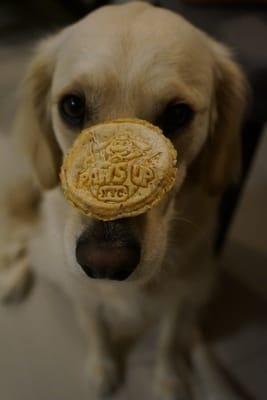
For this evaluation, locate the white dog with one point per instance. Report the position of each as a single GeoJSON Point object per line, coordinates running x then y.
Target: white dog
{"type": "Point", "coordinates": [133, 61]}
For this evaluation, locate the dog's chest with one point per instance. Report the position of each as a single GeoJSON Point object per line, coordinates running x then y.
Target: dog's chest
{"type": "Point", "coordinates": [127, 307]}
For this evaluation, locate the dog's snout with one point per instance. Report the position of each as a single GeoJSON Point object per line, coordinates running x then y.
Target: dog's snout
{"type": "Point", "coordinates": [108, 250]}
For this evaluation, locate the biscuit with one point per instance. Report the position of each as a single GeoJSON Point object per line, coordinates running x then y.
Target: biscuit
{"type": "Point", "coordinates": [118, 169]}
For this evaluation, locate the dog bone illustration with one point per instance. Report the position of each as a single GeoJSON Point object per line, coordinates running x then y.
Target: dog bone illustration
{"type": "Point", "coordinates": [118, 169]}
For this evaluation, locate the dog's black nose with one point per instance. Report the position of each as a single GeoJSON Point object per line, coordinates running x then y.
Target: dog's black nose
{"type": "Point", "coordinates": [108, 250]}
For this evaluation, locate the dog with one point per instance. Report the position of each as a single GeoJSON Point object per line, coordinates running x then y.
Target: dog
{"type": "Point", "coordinates": [156, 269]}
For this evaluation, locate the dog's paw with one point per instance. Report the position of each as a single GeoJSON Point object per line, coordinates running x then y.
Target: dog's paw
{"type": "Point", "coordinates": [16, 278]}
{"type": "Point", "coordinates": [102, 375]}
{"type": "Point", "coordinates": [169, 385]}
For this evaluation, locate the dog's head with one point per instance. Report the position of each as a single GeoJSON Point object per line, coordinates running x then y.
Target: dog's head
{"type": "Point", "coordinates": [132, 61]}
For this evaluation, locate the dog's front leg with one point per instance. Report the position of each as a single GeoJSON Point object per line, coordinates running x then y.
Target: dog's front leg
{"type": "Point", "coordinates": [18, 219]}
{"type": "Point", "coordinates": [101, 367]}
{"type": "Point", "coordinates": [172, 375]}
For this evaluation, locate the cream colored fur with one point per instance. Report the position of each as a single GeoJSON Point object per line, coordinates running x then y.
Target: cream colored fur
{"type": "Point", "coordinates": [130, 61]}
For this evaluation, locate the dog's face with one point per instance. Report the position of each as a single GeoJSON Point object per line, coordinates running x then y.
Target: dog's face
{"type": "Point", "coordinates": [133, 61]}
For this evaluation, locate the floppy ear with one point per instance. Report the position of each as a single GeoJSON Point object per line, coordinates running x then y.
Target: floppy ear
{"type": "Point", "coordinates": [224, 142]}
{"type": "Point", "coordinates": [33, 127]}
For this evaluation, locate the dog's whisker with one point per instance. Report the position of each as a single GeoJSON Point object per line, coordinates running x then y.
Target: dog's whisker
{"type": "Point", "coordinates": [178, 218]}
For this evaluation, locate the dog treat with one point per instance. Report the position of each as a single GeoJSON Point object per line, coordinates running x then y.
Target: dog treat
{"type": "Point", "coordinates": [118, 169]}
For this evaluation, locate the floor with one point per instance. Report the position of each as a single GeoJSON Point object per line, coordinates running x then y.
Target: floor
{"type": "Point", "coordinates": [41, 347]}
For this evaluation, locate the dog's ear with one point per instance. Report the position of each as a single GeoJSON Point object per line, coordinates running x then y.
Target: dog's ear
{"type": "Point", "coordinates": [33, 126]}
{"type": "Point", "coordinates": [223, 150]}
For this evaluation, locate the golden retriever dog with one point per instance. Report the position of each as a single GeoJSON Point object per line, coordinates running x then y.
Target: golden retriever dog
{"type": "Point", "coordinates": [157, 269]}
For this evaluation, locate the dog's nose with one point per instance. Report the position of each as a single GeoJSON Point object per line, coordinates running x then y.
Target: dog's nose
{"type": "Point", "coordinates": [108, 250]}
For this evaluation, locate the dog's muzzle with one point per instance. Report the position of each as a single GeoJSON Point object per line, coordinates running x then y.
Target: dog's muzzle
{"type": "Point", "coordinates": [108, 250]}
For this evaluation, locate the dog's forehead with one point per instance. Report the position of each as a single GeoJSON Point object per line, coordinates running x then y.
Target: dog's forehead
{"type": "Point", "coordinates": [132, 43]}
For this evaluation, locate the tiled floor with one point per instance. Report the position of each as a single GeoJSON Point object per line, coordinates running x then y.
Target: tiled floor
{"type": "Point", "coordinates": [41, 347]}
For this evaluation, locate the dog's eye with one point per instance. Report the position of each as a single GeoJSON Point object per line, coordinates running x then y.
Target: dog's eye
{"type": "Point", "coordinates": [175, 117]}
{"type": "Point", "coordinates": [72, 109]}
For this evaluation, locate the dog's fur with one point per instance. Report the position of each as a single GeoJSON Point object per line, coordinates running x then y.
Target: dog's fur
{"type": "Point", "coordinates": [130, 61]}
